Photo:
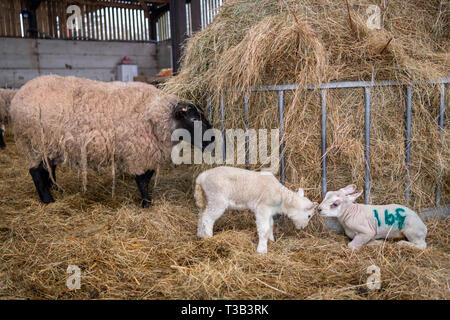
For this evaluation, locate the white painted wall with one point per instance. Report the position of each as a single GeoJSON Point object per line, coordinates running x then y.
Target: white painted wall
{"type": "Point", "coordinates": [24, 59]}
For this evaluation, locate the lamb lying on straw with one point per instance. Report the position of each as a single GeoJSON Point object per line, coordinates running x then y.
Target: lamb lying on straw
{"type": "Point", "coordinates": [364, 223]}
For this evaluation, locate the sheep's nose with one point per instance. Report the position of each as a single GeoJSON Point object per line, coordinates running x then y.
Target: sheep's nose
{"type": "Point", "coordinates": [319, 210]}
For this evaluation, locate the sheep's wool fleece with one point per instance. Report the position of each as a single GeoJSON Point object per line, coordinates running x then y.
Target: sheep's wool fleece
{"type": "Point", "coordinates": [92, 124]}
{"type": "Point", "coordinates": [5, 100]}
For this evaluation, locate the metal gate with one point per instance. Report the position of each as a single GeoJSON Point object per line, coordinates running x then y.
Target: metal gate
{"type": "Point", "coordinates": [366, 85]}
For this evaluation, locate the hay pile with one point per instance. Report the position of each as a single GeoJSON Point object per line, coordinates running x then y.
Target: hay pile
{"type": "Point", "coordinates": [310, 42]}
{"type": "Point", "coordinates": [126, 252]}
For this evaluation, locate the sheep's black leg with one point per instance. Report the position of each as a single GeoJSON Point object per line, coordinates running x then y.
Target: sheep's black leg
{"type": "Point", "coordinates": [2, 139]}
{"type": "Point", "coordinates": [142, 182]}
{"type": "Point", "coordinates": [40, 178]}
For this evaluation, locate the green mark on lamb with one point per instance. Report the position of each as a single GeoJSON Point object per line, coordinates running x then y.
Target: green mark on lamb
{"type": "Point", "coordinates": [375, 212]}
{"type": "Point", "coordinates": [400, 218]}
{"type": "Point", "coordinates": [389, 218]}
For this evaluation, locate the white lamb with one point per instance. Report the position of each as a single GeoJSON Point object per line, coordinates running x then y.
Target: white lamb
{"type": "Point", "coordinates": [239, 189]}
{"type": "Point", "coordinates": [364, 223]}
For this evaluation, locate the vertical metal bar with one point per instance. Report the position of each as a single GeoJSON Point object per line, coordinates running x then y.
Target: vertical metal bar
{"type": "Point", "coordinates": [441, 129]}
{"type": "Point", "coordinates": [280, 110]}
{"type": "Point", "coordinates": [247, 161]}
{"type": "Point", "coordinates": [367, 143]}
{"type": "Point", "coordinates": [222, 117]}
{"type": "Point", "coordinates": [324, 140]}
{"type": "Point", "coordinates": [408, 141]}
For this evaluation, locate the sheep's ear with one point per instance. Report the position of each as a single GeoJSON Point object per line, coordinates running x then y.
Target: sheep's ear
{"type": "Point", "coordinates": [180, 110]}
{"type": "Point", "coordinates": [353, 197]}
{"type": "Point", "coordinates": [300, 192]}
{"type": "Point", "coordinates": [348, 189]}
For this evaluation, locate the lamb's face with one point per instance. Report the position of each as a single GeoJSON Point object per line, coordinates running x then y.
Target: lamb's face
{"type": "Point", "coordinates": [302, 210]}
{"type": "Point", "coordinates": [192, 119]}
{"type": "Point", "coordinates": [332, 204]}
{"type": "Point", "coordinates": [335, 202]}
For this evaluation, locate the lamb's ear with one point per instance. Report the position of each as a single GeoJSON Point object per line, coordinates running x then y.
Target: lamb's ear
{"type": "Point", "coordinates": [348, 189]}
{"type": "Point", "coordinates": [180, 110]}
{"type": "Point", "coordinates": [353, 197]}
{"type": "Point", "coordinates": [300, 192]}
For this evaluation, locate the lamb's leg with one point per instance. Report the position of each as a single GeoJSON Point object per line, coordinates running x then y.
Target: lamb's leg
{"type": "Point", "coordinates": [359, 240]}
{"type": "Point", "coordinates": [2, 137]}
{"type": "Point", "coordinates": [142, 182]}
{"type": "Point", "coordinates": [418, 245]}
{"type": "Point", "coordinates": [40, 178]}
{"type": "Point", "coordinates": [376, 243]}
{"type": "Point", "coordinates": [271, 237]}
{"type": "Point", "coordinates": [207, 219]}
{"type": "Point", "coordinates": [263, 226]}
{"type": "Point", "coordinates": [415, 232]}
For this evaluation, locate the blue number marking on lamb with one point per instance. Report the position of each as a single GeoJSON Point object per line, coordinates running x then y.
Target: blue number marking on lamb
{"type": "Point", "coordinates": [375, 212]}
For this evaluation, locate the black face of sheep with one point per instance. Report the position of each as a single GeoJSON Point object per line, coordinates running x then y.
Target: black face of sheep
{"type": "Point", "coordinates": [187, 115]}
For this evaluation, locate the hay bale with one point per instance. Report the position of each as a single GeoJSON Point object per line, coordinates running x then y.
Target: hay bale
{"type": "Point", "coordinates": [310, 42]}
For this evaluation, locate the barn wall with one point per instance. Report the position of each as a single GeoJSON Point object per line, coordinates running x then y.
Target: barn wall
{"type": "Point", "coordinates": [24, 59]}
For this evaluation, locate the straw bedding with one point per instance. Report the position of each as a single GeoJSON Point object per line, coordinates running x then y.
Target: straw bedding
{"type": "Point", "coordinates": [125, 252]}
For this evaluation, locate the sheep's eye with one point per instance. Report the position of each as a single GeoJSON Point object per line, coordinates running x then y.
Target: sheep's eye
{"type": "Point", "coordinates": [334, 205]}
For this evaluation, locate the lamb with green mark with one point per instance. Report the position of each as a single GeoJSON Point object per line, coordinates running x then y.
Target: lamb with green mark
{"type": "Point", "coordinates": [366, 223]}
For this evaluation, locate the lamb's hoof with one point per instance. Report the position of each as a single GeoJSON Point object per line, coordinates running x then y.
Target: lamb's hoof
{"type": "Point", "coordinates": [261, 250]}
{"type": "Point", "coordinates": [203, 235]}
{"type": "Point", "coordinates": [146, 203]}
{"type": "Point", "coordinates": [353, 247]}
{"type": "Point", "coordinates": [55, 187]}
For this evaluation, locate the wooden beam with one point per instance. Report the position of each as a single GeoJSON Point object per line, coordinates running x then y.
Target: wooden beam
{"type": "Point", "coordinates": [145, 8]}
{"type": "Point", "coordinates": [31, 6]}
{"type": "Point", "coordinates": [104, 4]}
{"type": "Point", "coordinates": [178, 31]}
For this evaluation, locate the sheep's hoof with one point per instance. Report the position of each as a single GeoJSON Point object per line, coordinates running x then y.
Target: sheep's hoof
{"type": "Point", "coordinates": [55, 187]}
{"type": "Point", "coordinates": [48, 200]}
{"type": "Point", "coordinates": [146, 203]}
